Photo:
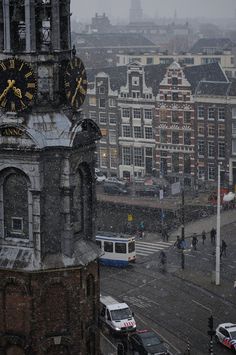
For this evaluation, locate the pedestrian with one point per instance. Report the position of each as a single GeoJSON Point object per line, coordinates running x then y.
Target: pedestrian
{"type": "Point", "coordinates": [223, 248]}
{"type": "Point", "coordinates": [203, 236]}
{"type": "Point", "coordinates": [182, 243]}
{"type": "Point", "coordinates": [194, 241]}
{"type": "Point", "coordinates": [213, 236]}
{"type": "Point", "coordinates": [141, 229]}
{"type": "Point", "coordinates": [165, 236]}
{"type": "Point", "coordinates": [177, 242]}
{"type": "Point", "coordinates": [163, 260]}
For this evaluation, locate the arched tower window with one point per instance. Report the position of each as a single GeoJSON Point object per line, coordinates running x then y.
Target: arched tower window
{"type": "Point", "coordinates": [82, 202]}
{"type": "Point", "coordinates": [43, 18]}
{"type": "Point", "coordinates": [17, 25]}
{"type": "Point", "coordinates": [15, 202]}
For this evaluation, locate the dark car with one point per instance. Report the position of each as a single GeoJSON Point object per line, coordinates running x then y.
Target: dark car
{"type": "Point", "coordinates": [147, 342]}
{"type": "Point", "coordinates": [148, 190]}
{"type": "Point", "coordinates": [113, 188]}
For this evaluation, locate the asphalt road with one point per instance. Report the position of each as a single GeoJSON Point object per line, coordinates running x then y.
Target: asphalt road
{"type": "Point", "coordinates": [177, 304]}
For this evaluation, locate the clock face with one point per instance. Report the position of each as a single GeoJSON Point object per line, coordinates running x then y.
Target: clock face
{"type": "Point", "coordinates": [18, 85]}
{"type": "Point", "coordinates": [75, 81]}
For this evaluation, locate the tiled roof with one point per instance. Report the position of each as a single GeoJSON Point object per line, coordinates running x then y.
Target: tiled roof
{"type": "Point", "coordinates": [210, 88]}
{"type": "Point", "coordinates": [218, 43]}
{"type": "Point", "coordinates": [99, 40]}
{"type": "Point", "coordinates": [155, 73]}
{"type": "Point", "coordinates": [206, 72]}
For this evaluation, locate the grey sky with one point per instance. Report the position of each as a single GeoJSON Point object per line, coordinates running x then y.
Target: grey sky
{"type": "Point", "coordinates": [82, 9]}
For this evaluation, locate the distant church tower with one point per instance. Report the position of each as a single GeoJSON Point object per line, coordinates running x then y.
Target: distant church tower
{"type": "Point", "coordinates": [49, 278]}
{"type": "Point", "coordinates": [135, 12]}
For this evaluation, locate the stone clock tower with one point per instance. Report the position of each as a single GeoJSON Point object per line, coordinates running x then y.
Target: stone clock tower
{"type": "Point", "coordinates": [49, 281]}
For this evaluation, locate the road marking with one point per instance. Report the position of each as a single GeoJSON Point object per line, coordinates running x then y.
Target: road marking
{"type": "Point", "coordinates": [159, 243]}
{"type": "Point", "coordinates": [201, 305]}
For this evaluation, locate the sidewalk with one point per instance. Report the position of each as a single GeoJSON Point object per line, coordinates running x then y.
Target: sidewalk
{"type": "Point", "coordinates": [204, 280]}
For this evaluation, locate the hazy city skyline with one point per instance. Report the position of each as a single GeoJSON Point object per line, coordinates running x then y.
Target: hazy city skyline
{"type": "Point", "coordinates": [184, 8]}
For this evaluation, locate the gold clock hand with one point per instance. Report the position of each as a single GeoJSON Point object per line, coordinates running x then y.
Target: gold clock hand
{"type": "Point", "coordinates": [10, 85]}
{"type": "Point", "coordinates": [76, 90]}
{"type": "Point", "coordinates": [17, 92]}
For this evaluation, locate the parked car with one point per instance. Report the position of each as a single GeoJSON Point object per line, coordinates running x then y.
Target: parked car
{"type": "Point", "coordinates": [147, 190]}
{"type": "Point", "coordinates": [226, 335]}
{"type": "Point", "coordinates": [114, 188]}
{"type": "Point", "coordinates": [99, 176]}
{"type": "Point", "coordinates": [145, 342]}
{"type": "Point", "coordinates": [116, 180]}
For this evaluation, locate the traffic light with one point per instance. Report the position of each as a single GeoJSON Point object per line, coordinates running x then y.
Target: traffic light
{"type": "Point", "coordinates": [210, 322]}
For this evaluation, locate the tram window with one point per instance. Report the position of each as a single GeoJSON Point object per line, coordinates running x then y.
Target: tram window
{"type": "Point", "coordinates": [131, 247]}
{"type": "Point", "coordinates": [99, 243]}
{"type": "Point", "coordinates": [108, 247]}
{"type": "Point", "coordinates": [120, 248]}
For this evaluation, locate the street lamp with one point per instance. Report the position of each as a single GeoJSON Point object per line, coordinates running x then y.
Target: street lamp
{"type": "Point", "coordinates": [218, 231]}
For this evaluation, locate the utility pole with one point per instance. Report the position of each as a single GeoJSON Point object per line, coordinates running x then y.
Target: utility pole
{"type": "Point", "coordinates": [183, 214]}
{"type": "Point", "coordinates": [218, 231]}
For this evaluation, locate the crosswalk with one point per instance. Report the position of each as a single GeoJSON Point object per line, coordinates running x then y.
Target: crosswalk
{"type": "Point", "coordinates": [146, 248]}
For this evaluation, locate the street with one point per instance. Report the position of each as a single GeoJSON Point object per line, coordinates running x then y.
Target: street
{"type": "Point", "coordinates": [177, 304]}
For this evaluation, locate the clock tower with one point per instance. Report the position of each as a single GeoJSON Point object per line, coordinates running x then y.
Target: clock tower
{"type": "Point", "coordinates": [49, 280]}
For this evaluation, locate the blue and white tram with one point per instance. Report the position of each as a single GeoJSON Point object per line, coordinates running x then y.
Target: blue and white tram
{"type": "Point", "coordinates": [117, 249]}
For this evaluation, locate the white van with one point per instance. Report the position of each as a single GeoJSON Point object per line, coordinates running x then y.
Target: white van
{"type": "Point", "coordinates": [116, 316]}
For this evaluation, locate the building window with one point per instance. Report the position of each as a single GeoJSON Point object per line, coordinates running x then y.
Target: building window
{"type": "Point", "coordinates": [113, 158]}
{"type": "Point", "coordinates": [187, 117]}
{"type": "Point", "coordinates": [187, 164]}
{"type": "Point", "coordinates": [126, 112]}
{"type": "Point", "coordinates": [211, 172]}
{"type": "Point", "coordinates": [102, 117]}
{"type": "Point", "coordinates": [174, 81]}
{"type": "Point", "coordinates": [175, 162]}
{"type": "Point", "coordinates": [201, 172]}
{"type": "Point", "coordinates": [148, 132]}
{"type": "Point", "coordinates": [211, 149]}
{"type": "Point", "coordinates": [137, 132]}
{"type": "Point", "coordinates": [93, 115]}
{"type": "Point", "coordinates": [112, 137]}
{"type": "Point", "coordinates": [175, 137]}
{"type": "Point", "coordinates": [103, 157]}
{"type": "Point", "coordinates": [163, 136]}
{"type": "Point", "coordinates": [135, 94]}
{"type": "Point", "coordinates": [233, 146]}
{"type": "Point", "coordinates": [126, 156]}
{"type": "Point", "coordinates": [136, 113]}
{"type": "Point", "coordinates": [126, 131]}
{"type": "Point", "coordinates": [163, 115]}
{"type": "Point", "coordinates": [112, 102]}
{"type": "Point", "coordinates": [211, 129]}
{"type": "Point", "coordinates": [148, 114]}
{"type": "Point", "coordinates": [175, 117]}
{"type": "Point", "coordinates": [221, 130]}
{"type": "Point", "coordinates": [201, 148]}
{"type": "Point", "coordinates": [187, 138]}
{"type": "Point", "coordinates": [138, 156]}
{"type": "Point", "coordinates": [17, 224]}
{"type": "Point", "coordinates": [175, 96]}
{"type": "Point", "coordinates": [135, 80]}
{"type": "Point", "coordinates": [200, 112]}
{"type": "Point", "coordinates": [101, 90]}
{"type": "Point", "coordinates": [201, 129]}
{"type": "Point", "coordinates": [102, 103]}
{"type": "Point", "coordinates": [221, 113]}
{"type": "Point", "coordinates": [149, 60]}
{"type": "Point", "coordinates": [233, 112]}
{"type": "Point", "coordinates": [92, 100]}
{"type": "Point", "coordinates": [221, 150]}
{"type": "Point", "coordinates": [211, 113]}
{"type": "Point", "coordinates": [112, 118]}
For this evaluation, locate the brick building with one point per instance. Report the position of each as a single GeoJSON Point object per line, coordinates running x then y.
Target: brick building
{"type": "Point", "coordinates": [49, 277]}
{"type": "Point", "coordinates": [148, 117]}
